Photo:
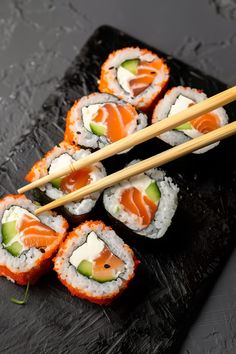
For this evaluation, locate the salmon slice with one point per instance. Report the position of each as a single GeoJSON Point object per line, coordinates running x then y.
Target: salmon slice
{"type": "Point", "coordinates": [107, 264]}
{"type": "Point", "coordinates": [115, 124]}
{"type": "Point", "coordinates": [127, 112]}
{"type": "Point", "coordinates": [100, 115]}
{"type": "Point", "coordinates": [117, 118]}
{"type": "Point", "coordinates": [206, 123]}
{"type": "Point", "coordinates": [154, 65]}
{"type": "Point", "coordinates": [146, 73]}
{"type": "Point", "coordinates": [128, 202]}
{"type": "Point", "coordinates": [140, 83]}
{"type": "Point", "coordinates": [151, 204]}
{"type": "Point", "coordinates": [76, 180]}
{"type": "Point", "coordinates": [142, 206]}
{"type": "Point", "coordinates": [36, 234]}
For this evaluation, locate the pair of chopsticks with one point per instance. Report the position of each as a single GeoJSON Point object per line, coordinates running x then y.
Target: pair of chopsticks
{"type": "Point", "coordinates": [152, 131]}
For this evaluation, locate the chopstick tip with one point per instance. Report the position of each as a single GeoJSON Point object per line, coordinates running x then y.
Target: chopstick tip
{"type": "Point", "coordinates": [37, 211]}
{"type": "Point", "coordinates": [20, 190]}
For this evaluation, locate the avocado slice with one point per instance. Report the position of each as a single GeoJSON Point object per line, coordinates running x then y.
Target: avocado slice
{"type": "Point", "coordinates": [103, 279]}
{"type": "Point", "coordinates": [56, 182]}
{"type": "Point", "coordinates": [8, 231]}
{"type": "Point", "coordinates": [85, 268]}
{"type": "Point", "coordinates": [131, 65]}
{"type": "Point", "coordinates": [153, 192]}
{"type": "Point", "coordinates": [184, 126]}
{"type": "Point", "coordinates": [97, 129]}
{"type": "Point", "coordinates": [116, 209]}
{"type": "Point", "coordinates": [15, 249]}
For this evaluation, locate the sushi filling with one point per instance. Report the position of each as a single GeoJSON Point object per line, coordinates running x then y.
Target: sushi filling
{"type": "Point", "coordinates": [21, 230]}
{"type": "Point", "coordinates": [176, 100]}
{"type": "Point", "coordinates": [95, 260]}
{"type": "Point", "coordinates": [99, 119]}
{"type": "Point", "coordinates": [140, 198]}
{"type": "Point", "coordinates": [110, 120]}
{"type": "Point", "coordinates": [73, 181]}
{"type": "Point", "coordinates": [78, 179]}
{"type": "Point", "coordinates": [198, 126]}
{"type": "Point", "coordinates": [135, 76]}
{"type": "Point", "coordinates": [145, 203]}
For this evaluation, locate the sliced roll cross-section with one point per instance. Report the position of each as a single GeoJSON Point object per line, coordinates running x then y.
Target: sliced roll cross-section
{"type": "Point", "coordinates": [59, 157]}
{"type": "Point", "coordinates": [178, 99]}
{"type": "Point", "coordinates": [144, 204]}
{"type": "Point", "coordinates": [94, 263]}
{"type": "Point", "coordinates": [135, 75]}
{"type": "Point", "coordinates": [27, 242]}
{"type": "Point", "coordinates": [100, 119]}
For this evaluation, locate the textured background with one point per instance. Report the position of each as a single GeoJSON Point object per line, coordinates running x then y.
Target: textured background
{"type": "Point", "coordinates": [38, 40]}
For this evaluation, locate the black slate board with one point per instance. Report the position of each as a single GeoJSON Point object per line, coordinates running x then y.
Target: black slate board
{"type": "Point", "coordinates": [176, 272]}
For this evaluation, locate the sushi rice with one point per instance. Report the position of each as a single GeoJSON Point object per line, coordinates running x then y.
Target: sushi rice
{"type": "Point", "coordinates": [32, 262]}
{"type": "Point", "coordinates": [166, 207]}
{"type": "Point", "coordinates": [87, 288]}
{"type": "Point", "coordinates": [77, 128]}
{"type": "Point", "coordinates": [61, 156]}
{"type": "Point", "coordinates": [167, 107]}
{"type": "Point", "coordinates": [113, 83]}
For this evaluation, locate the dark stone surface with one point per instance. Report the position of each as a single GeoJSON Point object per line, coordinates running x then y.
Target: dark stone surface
{"type": "Point", "coordinates": [37, 42]}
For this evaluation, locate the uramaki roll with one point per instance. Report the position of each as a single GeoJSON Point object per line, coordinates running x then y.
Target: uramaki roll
{"type": "Point", "coordinates": [176, 100]}
{"type": "Point", "coordinates": [28, 243]}
{"type": "Point", "coordinates": [135, 75]}
{"type": "Point", "coordinates": [61, 156]}
{"type": "Point", "coordinates": [145, 203]}
{"type": "Point", "coordinates": [94, 263]}
{"type": "Point", "coordinates": [99, 119]}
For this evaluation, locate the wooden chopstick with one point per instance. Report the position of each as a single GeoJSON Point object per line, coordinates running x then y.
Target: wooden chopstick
{"type": "Point", "coordinates": [152, 131]}
{"type": "Point", "coordinates": [155, 161]}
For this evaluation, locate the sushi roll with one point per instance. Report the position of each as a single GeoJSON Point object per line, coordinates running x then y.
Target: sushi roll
{"type": "Point", "coordinates": [176, 100]}
{"type": "Point", "coordinates": [135, 75]}
{"type": "Point", "coordinates": [100, 119]}
{"type": "Point", "coordinates": [61, 156]}
{"type": "Point", "coordinates": [28, 243]}
{"type": "Point", "coordinates": [94, 263]}
{"type": "Point", "coordinates": [145, 203]}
